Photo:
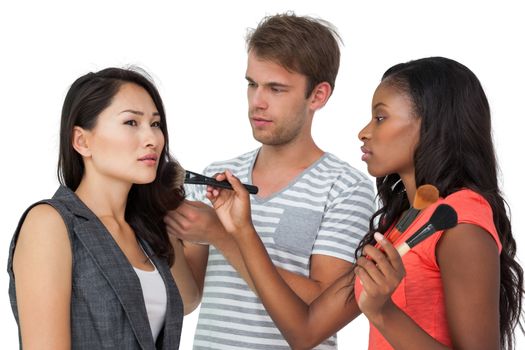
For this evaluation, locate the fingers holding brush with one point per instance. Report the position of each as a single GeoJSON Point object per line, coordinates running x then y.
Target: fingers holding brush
{"type": "Point", "coordinates": [380, 275]}
{"type": "Point", "coordinates": [383, 263]}
{"type": "Point", "coordinates": [232, 206]}
{"type": "Point", "coordinates": [392, 255]}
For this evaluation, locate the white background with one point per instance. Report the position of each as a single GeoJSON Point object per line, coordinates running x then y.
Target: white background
{"type": "Point", "coordinates": [195, 52]}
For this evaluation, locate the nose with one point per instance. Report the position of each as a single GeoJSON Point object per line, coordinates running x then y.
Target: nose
{"type": "Point", "coordinates": [365, 133]}
{"type": "Point", "coordinates": [256, 98]}
{"type": "Point", "coordinates": [152, 137]}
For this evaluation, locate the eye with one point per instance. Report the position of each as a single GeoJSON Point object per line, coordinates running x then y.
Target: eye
{"type": "Point", "coordinates": [251, 84]}
{"type": "Point", "coordinates": [131, 122]}
{"type": "Point", "coordinates": [156, 124]}
{"type": "Point", "coordinates": [379, 118]}
{"type": "Point", "coordinates": [277, 89]}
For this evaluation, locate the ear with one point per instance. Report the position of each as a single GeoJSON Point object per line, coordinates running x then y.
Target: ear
{"type": "Point", "coordinates": [80, 141]}
{"type": "Point", "coordinates": [320, 95]}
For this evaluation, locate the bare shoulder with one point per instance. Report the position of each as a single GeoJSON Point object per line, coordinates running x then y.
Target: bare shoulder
{"type": "Point", "coordinates": [467, 239]}
{"type": "Point", "coordinates": [43, 215]}
{"type": "Point", "coordinates": [470, 247]}
{"type": "Point", "coordinates": [43, 222]}
{"type": "Point", "coordinates": [43, 234]}
{"type": "Point", "coordinates": [42, 266]}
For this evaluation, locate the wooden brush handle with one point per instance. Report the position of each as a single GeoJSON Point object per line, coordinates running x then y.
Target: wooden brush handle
{"type": "Point", "coordinates": [403, 248]}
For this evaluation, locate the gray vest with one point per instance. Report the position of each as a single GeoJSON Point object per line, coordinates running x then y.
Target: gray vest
{"type": "Point", "coordinates": [107, 304]}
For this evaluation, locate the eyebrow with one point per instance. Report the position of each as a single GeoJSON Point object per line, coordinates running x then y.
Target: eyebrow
{"type": "Point", "coordinates": [137, 112]}
{"type": "Point", "coordinates": [270, 84]}
{"type": "Point", "coordinates": [379, 104]}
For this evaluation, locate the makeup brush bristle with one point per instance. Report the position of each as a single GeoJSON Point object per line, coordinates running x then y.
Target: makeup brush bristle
{"type": "Point", "coordinates": [425, 196]}
{"type": "Point", "coordinates": [173, 175]}
{"type": "Point", "coordinates": [444, 217]}
{"type": "Point", "coordinates": [180, 173]}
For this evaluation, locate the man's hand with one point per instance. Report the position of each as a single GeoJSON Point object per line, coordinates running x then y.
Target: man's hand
{"type": "Point", "coordinates": [195, 222]}
{"type": "Point", "coordinates": [232, 206]}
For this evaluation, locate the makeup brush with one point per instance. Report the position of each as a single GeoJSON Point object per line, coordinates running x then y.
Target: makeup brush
{"type": "Point", "coordinates": [198, 179]}
{"type": "Point", "coordinates": [425, 196]}
{"type": "Point", "coordinates": [443, 218]}
{"type": "Point", "coordinates": [172, 180]}
{"type": "Point", "coordinates": [175, 176]}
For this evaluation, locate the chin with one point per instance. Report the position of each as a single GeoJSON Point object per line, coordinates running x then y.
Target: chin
{"type": "Point", "coordinates": [144, 180]}
{"type": "Point", "coordinates": [375, 172]}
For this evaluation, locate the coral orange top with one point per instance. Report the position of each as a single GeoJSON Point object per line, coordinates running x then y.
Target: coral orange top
{"type": "Point", "coordinates": [420, 294]}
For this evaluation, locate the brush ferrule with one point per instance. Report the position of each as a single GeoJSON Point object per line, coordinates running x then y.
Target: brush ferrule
{"type": "Point", "coordinates": [421, 234]}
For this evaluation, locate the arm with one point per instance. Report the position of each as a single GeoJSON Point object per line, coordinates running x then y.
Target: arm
{"type": "Point", "coordinates": [324, 270]}
{"type": "Point", "coordinates": [42, 265]}
{"type": "Point", "coordinates": [303, 325]}
{"type": "Point", "coordinates": [179, 228]}
{"type": "Point", "coordinates": [190, 290]}
{"type": "Point", "coordinates": [469, 262]}
{"type": "Point", "coordinates": [198, 222]}
{"type": "Point", "coordinates": [470, 265]}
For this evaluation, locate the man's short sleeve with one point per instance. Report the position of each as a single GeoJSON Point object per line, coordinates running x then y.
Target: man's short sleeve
{"type": "Point", "coordinates": [346, 219]}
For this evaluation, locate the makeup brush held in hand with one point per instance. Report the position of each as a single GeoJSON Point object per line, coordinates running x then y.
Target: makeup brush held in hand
{"type": "Point", "coordinates": [174, 177]}
{"type": "Point", "coordinates": [198, 179]}
{"type": "Point", "coordinates": [426, 195]}
{"type": "Point", "coordinates": [443, 218]}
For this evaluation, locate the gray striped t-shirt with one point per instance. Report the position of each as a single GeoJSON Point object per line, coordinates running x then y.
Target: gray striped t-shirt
{"type": "Point", "coordinates": [325, 210]}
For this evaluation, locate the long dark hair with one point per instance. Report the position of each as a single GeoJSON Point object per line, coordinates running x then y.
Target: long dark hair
{"type": "Point", "coordinates": [455, 151]}
{"type": "Point", "coordinates": [147, 204]}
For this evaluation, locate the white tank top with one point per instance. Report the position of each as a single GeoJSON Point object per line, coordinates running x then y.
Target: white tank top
{"type": "Point", "coordinates": [155, 298]}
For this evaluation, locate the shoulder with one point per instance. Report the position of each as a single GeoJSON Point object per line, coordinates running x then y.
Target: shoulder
{"type": "Point", "coordinates": [473, 210]}
{"type": "Point", "coordinates": [475, 225]}
{"type": "Point", "coordinates": [475, 234]}
{"type": "Point", "coordinates": [42, 228]}
{"type": "Point", "coordinates": [44, 217]}
{"type": "Point", "coordinates": [346, 181]}
{"type": "Point", "coordinates": [467, 238]}
{"type": "Point", "coordinates": [464, 200]}
{"type": "Point", "coordinates": [330, 165]}
{"type": "Point", "coordinates": [42, 248]}
{"type": "Point", "coordinates": [237, 164]}
{"type": "Point", "coordinates": [470, 247]}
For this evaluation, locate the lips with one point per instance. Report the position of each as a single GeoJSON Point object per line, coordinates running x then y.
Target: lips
{"type": "Point", "coordinates": [260, 121]}
{"type": "Point", "coordinates": [149, 159]}
{"type": "Point", "coordinates": [365, 150]}
{"type": "Point", "coordinates": [151, 156]}
{"type": "Point", "coordinates": [366, 153]}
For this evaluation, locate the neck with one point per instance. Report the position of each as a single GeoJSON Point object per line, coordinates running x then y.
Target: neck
{"type": "Point", "coordinates": [276, 166]}
{"type": "Point", "coordinates": [105, 197]}
{"type": "Point", "coordinates": [293, 155]}
{"type": "Point", "coordinates": [409, 181]}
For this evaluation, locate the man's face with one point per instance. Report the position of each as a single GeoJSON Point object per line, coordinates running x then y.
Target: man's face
{"type": "Point", "coordinates": [278, 108]}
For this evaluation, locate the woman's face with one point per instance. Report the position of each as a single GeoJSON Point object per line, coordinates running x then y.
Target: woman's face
{"type": "Point", "coordinates": [126, 142]}
{"type": "Point", "coordinates": [391, 137]}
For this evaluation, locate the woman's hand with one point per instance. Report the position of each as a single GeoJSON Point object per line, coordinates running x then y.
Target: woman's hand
{"type": "Point", "coordinates": [232, 207]}
{"type": "Point", "coordinates": [380, 274]}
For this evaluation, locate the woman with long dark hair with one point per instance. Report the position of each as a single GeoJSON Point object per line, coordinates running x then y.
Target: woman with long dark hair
{"type": "Point", "coordinates": [461, 288]}
{"type": "Point", "coordinates": [94, 267]}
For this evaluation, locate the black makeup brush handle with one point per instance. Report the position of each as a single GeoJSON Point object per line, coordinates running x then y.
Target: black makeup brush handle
{"type": "Point", "coordinates": [407, 219]}
{"type": "Point", "coordinates": [198, 179]}
{"type": "Point", "coordinates": [225, 184]}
